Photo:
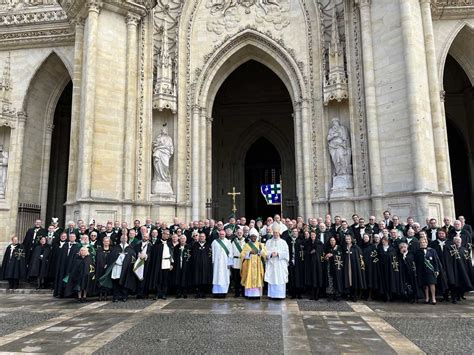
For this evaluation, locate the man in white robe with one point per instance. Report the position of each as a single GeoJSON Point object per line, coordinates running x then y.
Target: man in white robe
{"type": "Point", "coordinates": [276, 273]}
{"type": "Point", "coordinates": [222, 261]}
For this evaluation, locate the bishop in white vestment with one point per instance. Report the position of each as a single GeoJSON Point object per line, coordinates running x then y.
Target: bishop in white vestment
{"type": "Point", "coordinates": [276, 274]}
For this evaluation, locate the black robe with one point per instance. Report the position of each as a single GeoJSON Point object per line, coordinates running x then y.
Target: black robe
{"type": "Point", "coordinates": [39, 262]}
{"type": "Point", "coordinates": [143, 285]}
{"type": "Point", "coordinates": [100, 267]}
{"type": "Point", "coordinates": [53, 260]}
{"type": "Point", "coordinates": [127, 278]}
{"type": "Point", "coordinates": [155, 272]}
{"type": "Point", "coordinates": [389, 271]}
{"type": "Point", "coordinates": [296, 266]}
{"type": "Point", "coordinates": [354, 268]}
{"type": "Point", "coordinates": [81, 275]}
{"type": "Point", "coordinates": [31, 240]}
{"type": "Point", "coordinates": [335, 270]}
{"type": "Point", "coordinates": [314, 264]}
{"type": "Point", "coordinates": [444, 258]}
{"type": "Point", "coordinates": [63, 266]}
{"type": "Point", "coordinates": [409, 276]}
{"type": "Point", "coordinates": [14, 264]}
{"type": "Point", "coordinates": [180, 274]}
{"type": "Point", "coordinates": [460, 269]}
{"type": "Point", "coordinates": [372, 266]}
{"type": "Point", "coordinates": [201, 264]}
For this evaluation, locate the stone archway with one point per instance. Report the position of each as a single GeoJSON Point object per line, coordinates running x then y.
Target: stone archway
{"type": "Point", "coordinates": [45, 90]}
{"type": "Point", "coordinates": [245, 46]}
{"type": "Point", "coordinates": [251, 103]}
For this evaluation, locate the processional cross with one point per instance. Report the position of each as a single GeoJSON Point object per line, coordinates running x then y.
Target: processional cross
{"type": "Point", "coordinates": [233, 194]}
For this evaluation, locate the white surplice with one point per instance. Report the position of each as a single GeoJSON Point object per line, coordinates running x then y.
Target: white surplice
{"type": "Point", "coordinates": [276, 273]}
{"type": "Point", "coordinates": [220, 266]}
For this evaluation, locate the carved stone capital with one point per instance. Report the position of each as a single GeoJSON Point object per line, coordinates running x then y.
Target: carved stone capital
{"type": "Point", "coordinates": [22, 116]}
{"type": "Point", "coordinates": [442, 95]}
{"type": "Point", "coordinates": [132, 19]}
{"type": "Point", "coordinates": [196, 108]}
{"type": "Point", "coordinates": [363, 3]}
{"type": "Point", "coordinates": [78, 22]}
{"type": "Point", "coordinates": [94, 6]}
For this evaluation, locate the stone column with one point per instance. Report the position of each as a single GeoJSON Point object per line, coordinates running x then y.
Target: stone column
{"type": "Point", "coordinates": [412, 88]}
{"type": "Point", "coordinates": [195, 165]}
{"type": "Point", "coordinates": [371, 106]}
{"type": "Point", "coordinates": [298, 157]}
{"type": "Point", "coordinates": [129, 147]}
{"type": "Point", "coordinates": [307, 154]}
{"type": "Point", "coordinates": [209, 158]}
{"type": "Point", "coordinates": [437, 116]}
{"type": "Point", "coordinates": [75, 110]}
{"type": "Point", "coordinates": [48, 134]}
{"type": "Point", "coordinates": [203, 163]}
{"type": "Point", "coordinates": [88, 114]}
{"type": "Point", "coordinates": [15, 170]}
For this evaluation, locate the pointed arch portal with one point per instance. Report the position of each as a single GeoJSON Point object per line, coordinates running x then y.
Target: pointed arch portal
{"type": "Point", "coordinates": [253, 141]}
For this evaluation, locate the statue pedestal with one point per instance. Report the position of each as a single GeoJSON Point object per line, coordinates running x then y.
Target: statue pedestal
{"type": "Point", "coordinates": [161, 188]}
{"type": "Point", "coordinates": [342, 186]}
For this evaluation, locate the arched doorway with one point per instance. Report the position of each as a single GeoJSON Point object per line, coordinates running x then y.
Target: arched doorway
{"type": "Point", "coordinates": [46, 143]}
{"type": "Point", "coordinates": [58, 167]}
{"type": "Point", "coordinates": [459, 107]}
{"type": "Point", "coordinates": [262, 166]}
{"type": "Point", "coordinates": [251, 103]}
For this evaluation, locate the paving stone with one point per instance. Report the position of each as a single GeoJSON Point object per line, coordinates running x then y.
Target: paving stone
{"type": "Point", "coordinates": [324, 305]}
{"type": "Point", "coordinates": [183, 333]}
{"type": "Point", "coordinates": [12, 322]}
{"type": "Point", "coordinates": [442, 336]}
{"type": "Point", "coordinates": [130, 304]}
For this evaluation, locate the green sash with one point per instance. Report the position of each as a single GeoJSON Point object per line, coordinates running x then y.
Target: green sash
{"type": "Point", "coordinates": [254, 248]}
{"type": "Point", "coordinates": [221, 243]}
{"type": "Point", "coordinates": [239, 248]}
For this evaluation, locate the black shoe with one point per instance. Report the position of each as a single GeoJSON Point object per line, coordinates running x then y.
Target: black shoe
{"type": "Point", "coordinates": [178, 296]}
{"type": "Point", "coordinates": [115, 300]}
{"type": "Point", "coordinates": [124, 300]}
{"type": "Point", "coordinates": [198, 296]}
{"type": "Point", "coordinates": [300, 297]}
{"type": "Point", "coordinates": [185, 296]}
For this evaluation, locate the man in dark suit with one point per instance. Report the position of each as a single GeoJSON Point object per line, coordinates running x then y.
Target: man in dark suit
{"type": "Point", "coordinates": [464, 225]}
{"type": "Point", "coordinates": [31, 238]}
{"type": "Point", "coordinates": [387, 220]}
{"type": "Point", "coordinates": [374, 227]}
{"type": "Point", "coordinates": [458, 231]}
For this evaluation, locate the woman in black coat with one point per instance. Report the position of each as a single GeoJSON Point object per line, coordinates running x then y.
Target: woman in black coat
{"type": "Point", "coordinates": [428, 266]}
{"type": "Point", "coordinates": [79, 279]}
{"type": "Point", "coordinates": [334, 270]}
{"type": "Point", "coordinates": [39, 262]}
{"type": "Point", "coordinates": [314, 265]}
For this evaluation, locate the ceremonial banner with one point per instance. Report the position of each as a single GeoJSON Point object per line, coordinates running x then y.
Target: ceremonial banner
{"type": "Point", "coordinates": [271, 193]}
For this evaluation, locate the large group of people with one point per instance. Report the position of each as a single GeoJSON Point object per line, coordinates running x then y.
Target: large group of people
{"type": "Point", "coordinates": [321, 257]}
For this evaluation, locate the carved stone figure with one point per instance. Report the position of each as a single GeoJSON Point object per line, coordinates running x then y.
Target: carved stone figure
{"type": "Point", "coordinates": [3, 172]}
{"type": "Point", "coordinates": [163, 149]}
{"type": "Point", "coordinates": [340, 148]}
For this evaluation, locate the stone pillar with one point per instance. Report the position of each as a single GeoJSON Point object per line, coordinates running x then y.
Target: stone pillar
{"type": "Point", "coordinates": [48, 134]}
{"type": "Point", "coordinates": [87, 114]}
{"type": "Point", "coordinates": [209, 158]}
{"type": "Point", "coordinates": [129, 147]}
{"type": "Point", "coordinates": [418, 105]}
{"type": "Point", "coordinates": [437, 115]}
{"type": "Point", "coordinates": [298, 157]}
{"type": "Point", "coordinates": [371, 107]}
{"type": "Point", "coordinates": [15, 170]}
{"type": "Point", "coordinates": [307, 154]}
{"type": "Point", "coordinates": [75, 110]}
{"type": "Point", "coordinates": [203, 163]}
{"type": "Point", "coordinates": [195, 165]}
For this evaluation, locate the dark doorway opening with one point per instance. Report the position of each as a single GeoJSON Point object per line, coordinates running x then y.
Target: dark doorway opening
{"type": "Point", "coordinates": [459, 107]}
{"type": "Point", "coordinates": [59, 163]}
{"type": "Point", "coordinates": [459, 172]}
{"type": "Point", "coordinates": [252, 102]}
{"type": "Point", "coordinates": [262, 166]}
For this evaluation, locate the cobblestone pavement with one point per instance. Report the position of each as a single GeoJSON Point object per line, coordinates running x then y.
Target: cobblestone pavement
{"type": "Point", "coordinates": [38, 323]}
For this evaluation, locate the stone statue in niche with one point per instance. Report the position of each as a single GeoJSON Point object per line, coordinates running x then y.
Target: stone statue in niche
{"type": "Point", "coordinates": [339, 144]}
{"type": "Point", "coordinates": [163, 150]}
{"type": "Point", "coordinates": [3, 172]}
